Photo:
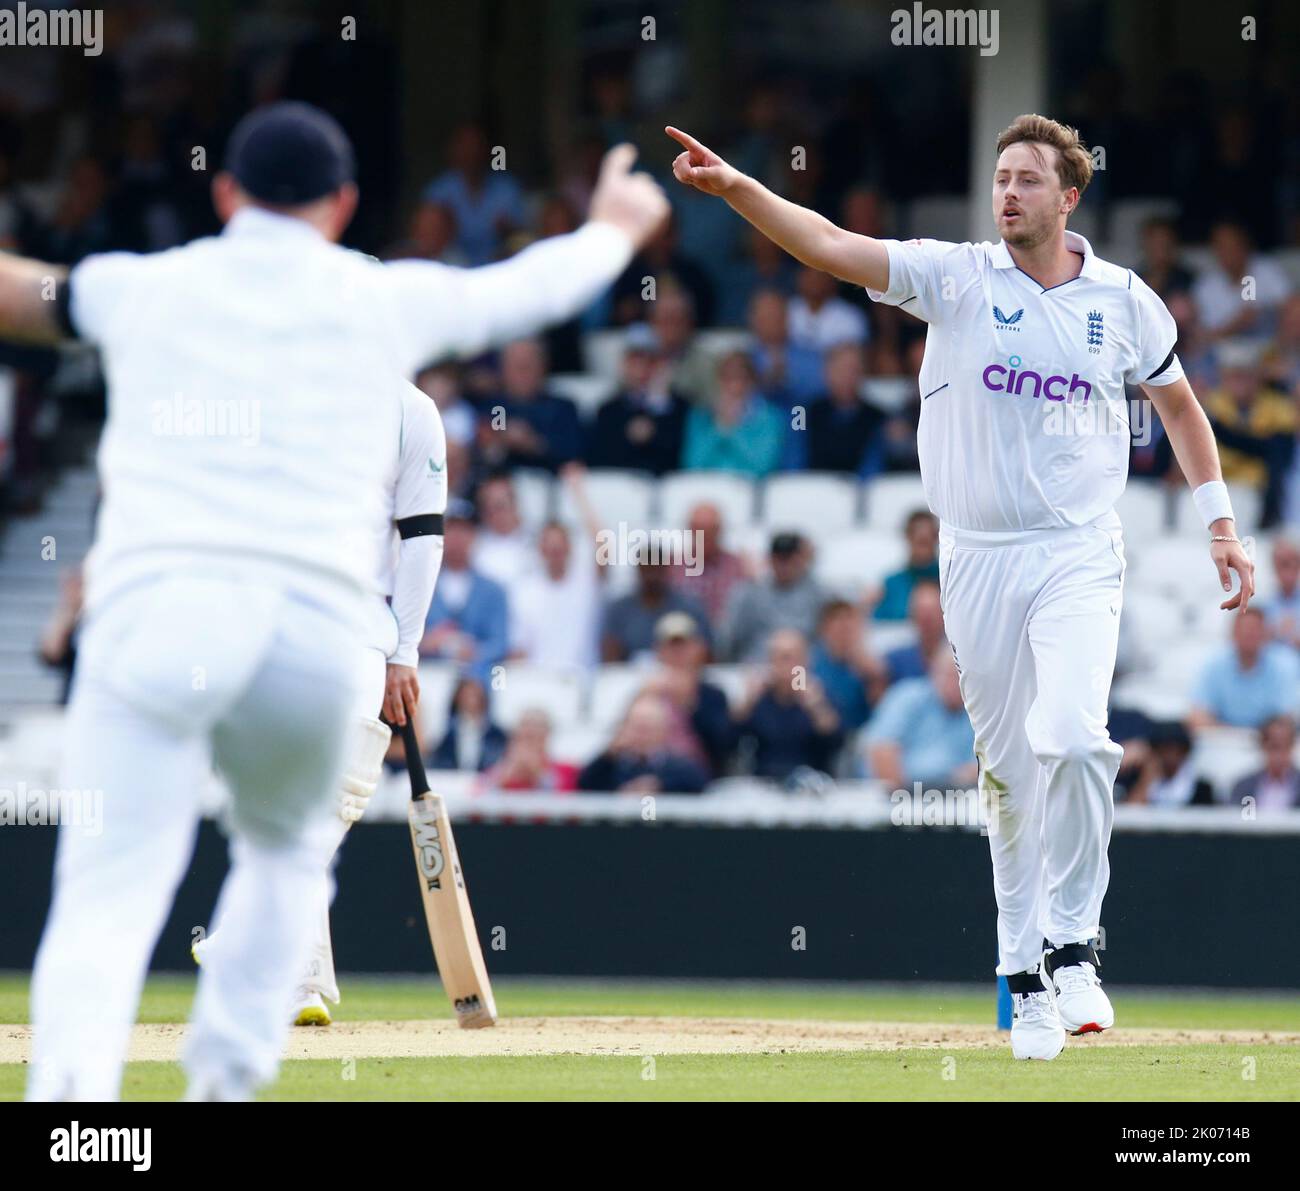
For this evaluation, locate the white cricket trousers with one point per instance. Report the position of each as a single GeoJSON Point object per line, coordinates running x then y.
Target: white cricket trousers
{"type": "Point", "coordinates": [173, 675]}
{"type": "Point", "coordinates": [1033, 619]}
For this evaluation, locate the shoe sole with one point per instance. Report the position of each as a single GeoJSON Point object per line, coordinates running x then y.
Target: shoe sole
{"type": "Point", "coordinates": [1090, 1028]}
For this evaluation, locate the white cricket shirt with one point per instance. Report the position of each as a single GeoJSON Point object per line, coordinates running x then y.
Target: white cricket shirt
{"type": "Point", "coordinates": [254, 397]}
{"type": "Point", "coordinates": [1024, 419]}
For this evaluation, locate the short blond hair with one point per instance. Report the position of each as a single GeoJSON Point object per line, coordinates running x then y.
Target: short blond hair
{"type": "Point", "coordinates": [1073, 161]}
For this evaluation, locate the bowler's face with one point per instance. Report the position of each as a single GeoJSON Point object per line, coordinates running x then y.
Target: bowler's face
{"type": "Point", "coordinates": [1027, 194]}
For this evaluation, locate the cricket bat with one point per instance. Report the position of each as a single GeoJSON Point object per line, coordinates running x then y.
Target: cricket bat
{"type": "Point", "coordinates": [446, 901]}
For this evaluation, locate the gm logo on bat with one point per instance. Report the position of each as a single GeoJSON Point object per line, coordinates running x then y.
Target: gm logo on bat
{"type": "Point", "coordinates": [428, 845]}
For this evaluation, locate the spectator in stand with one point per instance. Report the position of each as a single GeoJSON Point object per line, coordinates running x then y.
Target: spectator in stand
{"type": "Point", "coordinates": [639, 759]}
{"type": "Point", "coordinates": [1195, 349]}
{"type": "Point", "coordinates": [629, 630]}
{"type": "Point", "coordinates": [920, 732]}
{"type": "Point", "coordinates": [848, 672]}
{"type": "Point", "coordinates": [925, 611]}
{"type": "Point", "coordinates": [845, 433]}
{"type": "Point", "coordinates": [922, 532]}
{"type": "Point", "coordinates": [1276, 787]}
{"type": "Point", "coordinates": [741, 432]}
{"type": "Point", "coordinates": [788, 374]}
{"type": "Point", "coordinates": [762, 265]}
{"type": "Point", "coordinates": [1162, 268]}
{"type": "Point", "coordinates": [430, 236]}
{"type": "Point", "coordinates": [487, 203]}
{"type": "Point", "coordinates": [80, 224]}
{"type": "Point", "coordinates": [643, 426]}
{"type": "Point", "coordinates": [1169, 777]}
{"type": "Point", "coordinates": [662, 260]}
{"type": "Point", "coordinates": [467, 621]}
{"type": "Point", "coordinates": [472, 741]}
{"type": "Point", "coordinates": [819, 318]}
{"type": "Point", "coordinates": [504, 549]}
{"type": "Point", "coordinates": [701, 720]}
{"type": "Point", "coordinates": [1282, 358]}
{"type": "Point", "coordinates": [526, 763]}
{"type": "Point", "coordinates": [786, 722]}
{"type": "Point", "coordinates": [525, 426]}
{"type": "Point", "coordinates": [1282, 610]}
{"type": "Point", "coordinates": [58, 647]}
{"type": "Point", "coordinates": [558, 217]}
{"type": "Point", "coordinates": [788, 598]}
{"type": "Point", "coordinates": [690, 368]}
{"type": "Point", "coordinates": [712, 572]}
{"type": "Point", "coordinates": [555, 609]}
{"type": "Point", "coordinates": [442, 382]}
{"type": "Point", "coordinates": [1224, 310]}
{"type": "Point", "coordinates": [1245, 408]}
{"type": "Point", "coordinates": [1249, 681]}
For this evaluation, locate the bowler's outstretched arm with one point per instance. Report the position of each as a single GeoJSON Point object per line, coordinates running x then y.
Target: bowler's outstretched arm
{"type": "Point", "coordinates": [30, 293]}
{"type": "Point", "coordinates": [808, 237]}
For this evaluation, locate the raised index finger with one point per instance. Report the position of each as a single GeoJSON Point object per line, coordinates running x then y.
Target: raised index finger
{"type": "Point", "coordinates": [685, 140]}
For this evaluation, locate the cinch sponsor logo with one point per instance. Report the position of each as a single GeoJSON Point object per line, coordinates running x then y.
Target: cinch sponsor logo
{"type": "Point", "coordinates": [1005, 378]}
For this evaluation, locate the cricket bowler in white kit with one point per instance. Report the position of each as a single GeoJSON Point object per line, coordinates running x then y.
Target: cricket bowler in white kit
{"type": "Point", "coordinates": [408, 550]}
{"type": "Point", "coordinates": [250, 423]}
{"type": "Point", "coordinates": [1024, 441]}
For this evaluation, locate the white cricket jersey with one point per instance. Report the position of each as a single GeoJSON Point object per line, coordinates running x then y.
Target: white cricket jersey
{"type": "Point", "coordinates": [247, 417]}
{"type": "Point", "coordinates": [1024, 418]}
{"type": "Point", "coordinates": [415, 486]}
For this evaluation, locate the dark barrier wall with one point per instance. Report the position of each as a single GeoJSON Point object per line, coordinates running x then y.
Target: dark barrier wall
{"type": "Point", "coordinates": [675, 901]}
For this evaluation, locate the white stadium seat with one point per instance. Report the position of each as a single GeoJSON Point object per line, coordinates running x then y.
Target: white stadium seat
{"type": "Point", "coordinates": [882, 636]}
{"type": "Point", "coordinates": [940, 217]}
{"type": "Point", "coordinates": [588, 393]}
{"type": "Point", "coordinates": [533, 494]}
{"type": "Point", "coordinates": [890, 500]}
{"type": "Point", "coordinates": [1144, 509]}
{"type": "Point", "coordinates": [602, 352]}
{"type": "Point", "coordinates": [1151, 696]}
{"type": "Point", "coordinates": [613, 687]}
{"type": "Point", "coordinates": [1126, 217]}
{"type": "Point", "coordinates": [521, 688]}
{"type": "Point", "coordinates": [852, 562]}
{"type": "Point", "coordinates": [815, 503]}
{"type": "Point", "coordinates": [1177, 567]}
{"type": "Point", "coordinates": [615, 496]}
{"type": "Point", "coordinates": [732, 678]}
{"type": "Point", "coordinates": [1225, 755]}
{"type": "Point", "coordinates": [577, 745]}
{"type": "Point", "coordinates": [681, 491]}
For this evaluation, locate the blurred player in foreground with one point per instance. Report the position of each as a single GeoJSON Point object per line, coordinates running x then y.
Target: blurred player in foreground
{"type": "Point", "coordinates": [1024, 444]}
{"type": "Point", "coordinates": [242, 462]}
{"type": "Point", "coordinates": [409, 551]}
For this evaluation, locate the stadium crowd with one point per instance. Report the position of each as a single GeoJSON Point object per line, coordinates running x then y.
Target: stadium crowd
{"type": "Point", "coordinates": [722, 357]}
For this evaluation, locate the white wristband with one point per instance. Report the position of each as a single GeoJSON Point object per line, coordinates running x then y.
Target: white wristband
{"type": "Point", "coordinates": [1212, 502]}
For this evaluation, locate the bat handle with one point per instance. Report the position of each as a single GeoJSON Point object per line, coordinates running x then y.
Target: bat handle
{"type": "Point", "coordinates": [414, 762]}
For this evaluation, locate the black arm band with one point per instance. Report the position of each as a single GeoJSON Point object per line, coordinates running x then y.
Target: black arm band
{"type": "Point", "coordinates": [1169, 359]}
{"type": "Point", "coordinates": [63, 308]}
{"type": "Point", "coordinates": [423, 526]}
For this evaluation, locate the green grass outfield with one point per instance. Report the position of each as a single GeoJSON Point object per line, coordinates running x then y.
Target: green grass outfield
{"type": "Point", "coordinates": [1189, 1071]}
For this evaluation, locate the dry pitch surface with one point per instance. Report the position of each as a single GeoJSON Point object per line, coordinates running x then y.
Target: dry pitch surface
{"type": "Point", "coordinates": [639, 1036]}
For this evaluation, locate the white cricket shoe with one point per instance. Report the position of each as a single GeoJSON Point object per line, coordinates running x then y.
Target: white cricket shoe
{"type": "Point", "coordinates": [1083, 1007]}
{"type": "Point", "coordinates": [1036, 1031]}
{"type": "Point", "coordinates": [309, 1008]}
